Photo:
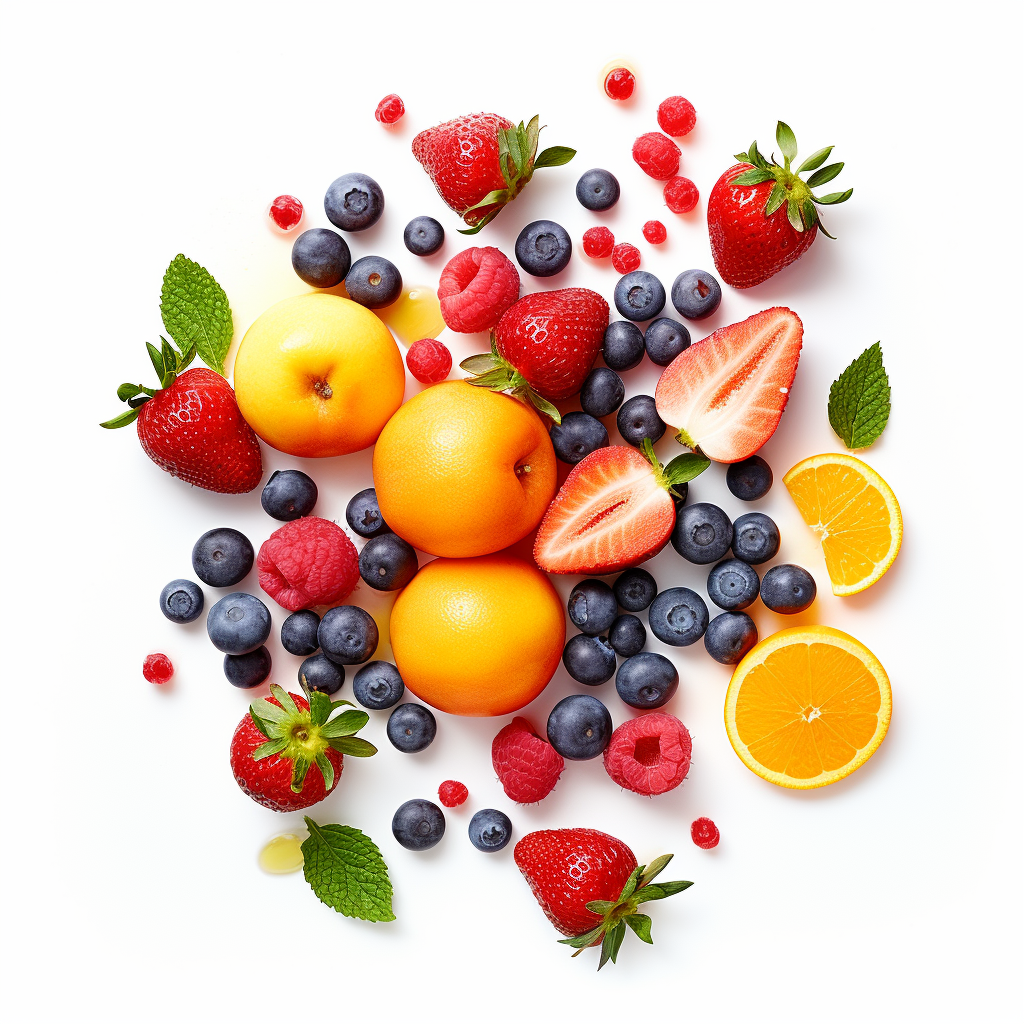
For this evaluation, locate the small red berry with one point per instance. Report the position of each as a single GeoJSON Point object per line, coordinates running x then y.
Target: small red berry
{"type": "Point", "coordinates": [390, 109]}
{"type": "Point", "coordinates": [625, 258]}
{"type": "Point", "coordinates": [704, 832]}
{"type": "Point", "coordinates": [681, 194]}
{"type": "Point", "coordinates": [649, 755]}
{"type": "Point", "coordinates": [157, 668]}
{"type": "Point", "coordinates": [654, 232]}
{"type": "Point", "coordinates": [676, 116]}
{"type": "Point", "coordinates": [619, 84]}
{"type": "Point", "coordinates": [428, 361]}
{"type": "Point", "coordinates": [598, 243]}
{"type": "Point", "coordinates": [285, 212]}
{"type": "Point", "coordinates": [656, 155]}
{"type": "Point", "coordinates": [452, 793]}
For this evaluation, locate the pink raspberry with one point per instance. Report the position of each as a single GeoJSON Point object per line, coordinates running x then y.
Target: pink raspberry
{"type": "Point", "coordinates": [704, 832]}
{"type": "Point", "coordinates": [157, 668]}
{"type": "Point", "coordinates": [452, 793]}
{"type": "Point", "coordinates": [619, 84]}
{"type": "Point", "coordinates": [676, 116]}
{"type": "Point", "coordinates": [657, 155]}
{"type": "Point", "coordinates": [654, 232]}
{"type": "Point", "coordinates": [309, 561]}
{"type": "Point", "coordinates": [390, 109]}
{"type": "Point", "coordinates": [681, 194]}
{"type": "Point", "coordinates": [527, 766]}
{"type": "Point", "coordinates": [625, 258]}
{"type": "Point", "coordinates": [285, 212]}
{"type": "Point", "coordinates": [598, 242]}
{"type": "Point", "coordinates": [649, 755]}
{"type": "Point", "coordinates": [429, 361]}
{"type": "Point", "coordinates": [475, 288]}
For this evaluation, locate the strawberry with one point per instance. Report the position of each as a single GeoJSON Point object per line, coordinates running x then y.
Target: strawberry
{"type": "Point", "coordinates": [589, 885]}
{"type": "Point", "coordinates": [480, 162]}
{"type": "Point", "coordinates": [191, 426]}
{"type": "Point", "coordinates": [762, 216]}
{"type": "Point", "coordinates": [615, 510]}
{"type": "Point", "coordinates": [726, 394]}
{"type": "Point", "coordinates": [543, 347]}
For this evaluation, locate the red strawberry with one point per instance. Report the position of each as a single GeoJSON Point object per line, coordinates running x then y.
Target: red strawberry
{"type": "Point", "coordinates": [480, 162]}
{"type": "Point", "coordinates": [526, 765]}
{"type": "Point", "coordinates": [589, 885]}
{"type": "Point", "coordinates": [614, 510]}
{"type": "Point", "coordinates": [726, 394]}
{"type": "Point", "coordinates": [762, 216]}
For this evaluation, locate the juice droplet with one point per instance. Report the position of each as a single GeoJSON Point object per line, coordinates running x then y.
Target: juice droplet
{"type": "Point", "coordinates": [282, 854]}
{"type": "Point", "coordinates": [415, 315]}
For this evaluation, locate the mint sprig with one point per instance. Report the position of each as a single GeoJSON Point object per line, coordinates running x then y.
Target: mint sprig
{"type": "Point", "coordinates": [859, 401]}
{"type": "Point", "coordinates": [195, 311]}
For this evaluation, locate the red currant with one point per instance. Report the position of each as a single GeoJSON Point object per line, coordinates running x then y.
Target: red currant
{"type": "Point", "coordinates": [429, 361]}
{"type": "Point", "coordinates": [619, 84]}
{"type": "Point", "coordinates": [654, 232]}
{"type": "Point", "coordinates": [390, 109]}
{"type": "Point", "coordinates": [681, 194]}
{"type": "Point", "coordinates": [625, 258]}
{"type": "Point", "coordinates": [285, 213]}
{"type": "Point", "coordinates": [676, 116]}
{"type": "Point", "coordinates": [704, 832]}
{"type": "Point", "coordinates": [598, 242]}
{"type": "Point", "coordinates": [452, 793]}
{"type": "Point", "coordinates": [157, 668]}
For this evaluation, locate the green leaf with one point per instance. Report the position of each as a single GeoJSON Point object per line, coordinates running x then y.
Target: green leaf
{"type": "Point", "coordinates": [129, 391]}
{"type": "Point", "coordinates": [554, 156]}
{"type": "Point", "coordinates": [345, 869]}
{"type": "Point", "coordinates": [195, 311]}
{"type": "Point", "coordinates": [498, 379]}
{"type": "Point", "coordinates": [600, 907]}
{"type": "Point", "coordinates": [754, 177]}
{"type": "Point", "coordinates": [793, 213]}
{"type": "Point", "coordinates": [834, 197]}
{"type": "Point", "coordinates": [353, 746]}
{"type": "Point", "coordinates": [515, 150]}
{"type": "Point", "coordinates": [266, 711]}
{"type": "Point", "coordinates": [810, 214]}
{"type": "Point", "coordinates": [157, 359]}
{"type": "Point", "coordinates": [533, 136]}
{"type": "Point", "coordinates": [300, 768]}
{"type": "Point", "coordinates": [579, 942]}
{"type": "Point", "coordinates": [641, 924]}
{"type": "Point", "coordinates": [346, 724]}
{"type": "Point", "coordinates": [284, 698]}
{"type": "Point", "coordinates": [787, 141]}
{"type": "Point", "coordinates": [542, 405]}
{"type": "Point", "coordinates": [776, 198]}
{"type": "Point", "coordinates": [630, 887]}
{"type": "Point", "coordinates": [655, 868]}
{"type": "Point", "coordinates": [685, 467]}
{"type": "Point", "coordinates": [611, 943]}
{"type": "Point", "coordinates": [662, 890]}
{"type": "Point", "coordinates": [483, 363]}
{"type": "Point", "coordinates": [320, 707]}
{"type": "Point", "coordinates": [825, 174]}
{"type": "Point", "coordinates": [859, 401]}
{"type": "Point", "coordinates": [497, 196]}
{"type": "Point", "coordinates": [269, 748]}
{"type": "Point", "coordinates": [326, 770]}
{"type": "Point", "coordinates": [815, 160]}
{"type": "Point", "coordinates": [128, 416]}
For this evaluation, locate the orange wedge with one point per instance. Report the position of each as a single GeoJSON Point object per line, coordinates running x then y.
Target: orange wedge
{"type": "Point", "coordinates": [855, 512]}
{"type": "Point", "coordinates": [807, 706]}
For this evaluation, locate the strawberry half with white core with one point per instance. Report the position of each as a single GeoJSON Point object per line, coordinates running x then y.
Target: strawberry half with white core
{"type": "Point", "coordinates": [726, 394]}
{"type": "Point", "coordinates": [615, 510]}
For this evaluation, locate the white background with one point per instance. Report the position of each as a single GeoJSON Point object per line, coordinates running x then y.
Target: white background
{"type": "Point", "coordinates": [130, 886]}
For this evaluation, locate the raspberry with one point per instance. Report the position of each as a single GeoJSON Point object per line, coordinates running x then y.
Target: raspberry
{"type": "Point", "coordinates": [704, 832]}
{"type": "Point", "coordinates": [475, 288]}
{"type": "Point", "coordinates": [309, 561]}
{"type": "Point", "coordinates": [681, 194]}
{"type": "Point", "coordinates": [625, 258]}
{"type": "Point", "coordinates": [657, 155]}
{"type": "Point", "coordinates": [390, 109]}
{"type": "Point", "coordinates": [452, 793]}
{"type": "Point", "coordinates": [654, 232]}
{"type": "Point", "coordinates": [619, 84]}
{"type": "Point", "coordinates": [676, 116]}
{"type": "Point", "coordinates": [598, 242]}
{"type": "Point", "coordinates": [157, 668]}
{"type": "Point", "coordinates": [428, 361]}
{"type": "Point", "coordinates": [527, 766]}
{"type": "Point", "coordinates": [649, 755]}
{"type": "Point", "coordinates": [285, 212]}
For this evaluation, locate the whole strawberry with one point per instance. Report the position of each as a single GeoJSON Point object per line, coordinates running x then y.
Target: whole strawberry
{"type": "Point", "coordinates": [763, 216]}
{"type": "Point", "coordinates": [589, 885]}
{"type": "Point", "coordinates": [480, 162]}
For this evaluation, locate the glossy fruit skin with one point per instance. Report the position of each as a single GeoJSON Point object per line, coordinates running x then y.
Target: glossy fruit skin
{"type": "Point", "coordinates": [696, 294]}
{"type": "Point", "coordinates": [285, 212]}
{"type": "Point", "coordinates": [750, 479]}
{"type": "Point", "coordinates": [452, 793]}
{"type": "Point", "coordinates": [543, 248]}
{"type": "Point", "coordinates": [619, 84]}
{"type": "Point", "coordinates": [704, 833]}
{"type": "Point", "coordinates": [490, 830]}
{"type": "Point", "coordinates": [577, 436]}
{"type": "Point", "coordinates": [625, 258]}
{"type": "Point", "coordinates": [238, 624]}
{"type": "Point", "coordinates": [602, 392]}
{"type": "Point", "coordinates": [527, 766]}
{"type": "Point", "coordinates": [635, 589]}
{"type": "Point", "coordinates": [676, 116]}
{"type": "Point", "coordinates": [247, 670]}
{"type": "Point", "coordinates": [703, 533]}
{"type": "Point", "coordinates": [423, 236]}
{"type": "Point", "coordinates": [655, 232]}
{"type": "Point", "coordinates": [597, 189]}
{"type": "Point", "coordinates": [411, 728]}
{"type": "Point", "coordinates": [733, 585]}
{"type": "Point", "coordinates": [592, 607]}
{"type": "Point", "coordinates": [638, 419]}
{"type": "Point", "coordinates": [579, 727]}
{"type": "Point", "coordinates": [318, 672]}
{"type": "Point", "coordinates": [307, 562]}
{"type": "Point", "coordinates": [157, 668]}
{"type": "Point", "coordinates": [755, 538]}
{"type": "Point", "coordinates": [222, 557]}
{"type": "Point", "coordinates": [348, 635]}
{"type": "Point", "coordinates": [647, 680]}
{"type": "Point", "coordinates": [639, 296]}
{"type": "Point", "coordinates": [373, 282]}
{"type": "Point", "coordinates": [678, 616]}
{"type": "Point", "coordinates": [321, 257]}
{"type": "Point", "coordinates": [429, 361]}
{"type": "Point", "coordinates": [182, 601]}
{"type": "Point", "coordinates": [390, 109]}
{"type": "Point", "coordinates": [378, 686]}
{"type": "Point", "coordinates": [288, 494]}
{"type": "Point", "coordinates": [475, 289]}
{"type": "Point", "coordinates": [627, 636]}
{"type": "Point", "coordinates": [418, 825]}
{"type": "Point", "coordinates": [729, 637]}
{"type": "Point", "coordinates": [788, 589]}
{"type": "Point", "coordinates": [387, 562]}
{"type": "Point", "coordinates": [623, 345]}
{"type": "Point", "coordinates": [362, 513]}
{"type": "Point", "coordinates": [318, 375]}
{"type": "Point", "coordinates": [664, 339]}
{"type": "Point", "coordinates": [598, 242]}
{"type": "Point", "coordinates": [589, 659]}
{"type": "Point", "coordinates": [354, 202]}
{"type": "Point", "coordinates": [649, 755]}
{"type": "Point", "coordinates": [656, 155]}
{"type": "Point", "coordinates": [681, 194]}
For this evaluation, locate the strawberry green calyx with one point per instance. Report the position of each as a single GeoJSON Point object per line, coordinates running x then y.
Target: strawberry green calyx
{"type": "Point", "coordinates": [680, 470]}
{"type": "Point", "coordinates": [617, 915]}
{"type": "Point", "coordinates": [789, 188]}
{"type": "Point", "coordinates": [168, 363]}
{"type": "Point", "coordinates": [498, 374]}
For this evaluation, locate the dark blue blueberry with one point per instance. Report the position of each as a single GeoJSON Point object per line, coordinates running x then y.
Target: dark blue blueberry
{"type": "Point", "coordinates": [577, 436]}
{"type": "Point", "coordinates": [579, 727]}
{"type": "Point", "coordinates": [678, 616]}
{"type": "Point", "coordinates": [589, 659]}
{"type": "Point", "coordinates": [696, 294]}
{"type": "Point", "coordinates": [181, 601]}
{"type": "Point", "coordinates": [238, 624]}
{"type": "Point", "coordinates": [321, 674]}
{"type": "Point", "coordinates": [387, 562]}
{"type": "Point", "coordinates": [638, 418]}
{"type": "Point", "coordinates": [733, 585]}
{"type": "Point", "coordinates": [348, 635]}
{"type": "Point", "coordinates": [411, 728]}
{"type": "Point", "coordinates": [592, 607]}
{"type": "Point", "coordinates": [729, 637]}
{"type": "Point", "coordinates": [222, 557]}
{"type": "Point", "coordinates": [373, 282]}
{"type": "Point", "coordinates": [490, 830]}
{"type": "Point", "coordinates": [635, 589]}
{"type": "Point", "coordinates": [788, 589]}
{"type": "Point", "coordinates": [354, 202]}
{"type": "Point", "coordinates": [647, 680]}
{"type": "Point", "coordinates": [543, 248]}
{"type": "Point", "coordinates": [423, 236]}
{"type": "Point", "coordinates": [602, 392]}
{"type": "Point", "coordinates": [750, 479]}
{"type": "Point", "coordinates": [247, 670]}
{"type": "Point", "coordinates": [298, 633]}
{"type": "Point", "coordinates": [755, 538]}
{"type": "Point", "coordinates": [378, 686]}
{"type": "Point", "coordinates": [418, 824]}
{"type": "Point", "coordinates": [363, 514]}
{"type": "Point", "coordinates": [597, 189]}
{"type": "Point", "coordinates": [702, 534]}
{"type": "Point", "coordinates": [623, 345]}
{"type": "Point", "coordinates": [664, 339]}
{"type": "Point", "coordinates": [321, 257]}
{"type": "Point", "coordinates": [639, 296]}
{"type": "Point", "coordinates": [627, 636]}
{"type": "Point", "coordinates": [288, 494]}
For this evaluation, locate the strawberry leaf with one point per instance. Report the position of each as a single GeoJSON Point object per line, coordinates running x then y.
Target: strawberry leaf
{"type": "Point", "coordinates": [825, 174]}
{"type": "Point", "coordinates": [326, 770]}
{"type": "Point", "coordinates": [269, 748]}
{"type": "Point", "coordinates": [787, 141]}
{"type": "Point", "coordinates": [641, 925]}
{"type": "Point", "coordinates": [834, 197]}
{"type": "Point", "coordinates": [655, 868]}
{"type": "Point", "coordinates": [353, 745]}
{"type": "Point", "coordinates": [662, 890]}
{"type": "Point", "coordinates": [554, 156]}
{"type": "Point", "coordinates": [195, 311]}
{"type": "Point", "coordinates": [776, 198]}
{"type": "Point", "coordinates": [815, 160]}
{"type": "Point", "coordinates": [346, 724]}
{"type": "Point", "coordinates": [752, 177]}
{"type": "Point", "coordinates": [483, 363]}
{"type": "Point", "coordinates": [793, 213]}
{"type": "Point", "coordinates": [610, 945]}
{"type": "Point", "coordinates": [682, 469]}
{"type": "Point", "coordinates": [129, 416]}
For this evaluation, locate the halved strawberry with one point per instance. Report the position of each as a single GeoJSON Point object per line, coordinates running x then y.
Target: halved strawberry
{"type": "Point", "coordinates": [725, 394]}
{"type": "Point", "coordinates": [614, 510]}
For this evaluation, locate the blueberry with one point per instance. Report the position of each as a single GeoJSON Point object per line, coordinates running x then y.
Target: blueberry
{"type": "Point", "coordinates": [348, 635]}
{"type": "Point", "coordinates": [647, 680]}
{"type": "Point", "coordinates": [729, 636]}
{"type": "Point", "coordinates": [181, 601]}
{"type": "Point", "coordinates": [238, 624]}
{"type": "Point", "coordinates": [592, 607]}
{"type": "Point", "coordinates": [298, 633]}
{"type": "Point", "coordinates": [696, 294]}
{"type": "Point", "coordinates": [222, 557]}
{"type": "Point", "coordinates": [373, 282]}
{"type": "Point", "coordinates": [602, 392]}
{"type": "Point", "coordinates": [733, 585]}
{"type": "Point", "coordinates": [418, 824]}
{"type": "Point", "coordinates": [788, 589]}
{"type": "Point", "coordinates": [411, 728]}
{"type": "Point", "coordinates": [577, 436]}
{"type": "Point", "coordinates": [679, 493]}
{"type": "Point", "coordinates": [321, 674]}
{"type": "Point", "coordinates": [353, 202]}
{"type": "Point", "coordinates": [639, 296]}
{"type": "Point", "coordinates": [490, 830]}
{"type": "Point", "coordinates": [321, 257]}
{"type": "Point", "coordinates": [543, 248]}
{"type": "Point", "coordinates": [589, 659]}
{"type": "Point", "coordinates": [597, 189]}
{"type": "Point", "coordinates": [247, 670]}
{"type": "Point", "coordinates": [288, 494]}
{"type": "Point", "coordinates": [623, 345]}
{"type": "Point", "coordinates": [363, 514]}
{"type": "Point", "coordinates": [678, 616]}
{"type": "Point", "coordinates": [579, 727]}
{"type": "Point", "coordinates": [638, 418]}
{"type": "Point", "coordinates": [635, 589]}
{"type": "Point", "coordinates": [750, 479]}
{"type": "Point", "coordinates": [702, 534]}
{"type": "Point", "coordinates": [378, 686]}
{"type": "Point", "coordinates": [755, 538]}
{"type": "Point", "coordinates": [423, 236]}
{"type": "Point", "coordinates": [387, 562]}
{"type": "Point", "coordinates": [627, 636]}
{"type": "Point", "coordinates": [664, 339]}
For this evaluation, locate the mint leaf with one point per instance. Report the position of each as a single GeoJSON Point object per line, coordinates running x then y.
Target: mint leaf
{"type": "Point", "coordinates": [347, 872]}
{"type": "Point", "coordinates": [858, 402]}
{"type": "Point", "coordinates": [195, 311]}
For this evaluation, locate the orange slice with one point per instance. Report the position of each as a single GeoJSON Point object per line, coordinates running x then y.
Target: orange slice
{"type": "Point", "coordinates": [855, 512]}
{"type": "Point", "coordinates": [807, 706]}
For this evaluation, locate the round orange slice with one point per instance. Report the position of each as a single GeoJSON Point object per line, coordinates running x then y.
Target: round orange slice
{"type": "Point", "coordinates": [807, 706]}
{"type": "Point", "coordinates": [855, 512]}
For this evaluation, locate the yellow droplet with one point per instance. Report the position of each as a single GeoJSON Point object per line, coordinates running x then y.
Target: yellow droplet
{"type": "Point", "coordinates": [282, 854]}
{"type": "Point", "coordinates": [415, 315]}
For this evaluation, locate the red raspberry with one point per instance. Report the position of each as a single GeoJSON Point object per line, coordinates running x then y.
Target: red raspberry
{"type": "Point", "coordinates": [681, 194]}
{"type": "Point", "coordinates": [619, 84]}
{"type": "Point", "coordinates": [309, 561]}
{"type": "Point", "coordinates": [475, 288]}
{"type": "Point", "coordinates": [527, 766]}
{"type": "Point", "coordinates": [676, 116]}
{"type": "Point", "coordinates": [657, 155]}
{"type": "Point", "coordinates": [157, 668]}
{"type": "Point", "coordinates": [598, 242]}
{"type": "Point", "coordinates": [285, 212]}
{"type": "Point", "coordinates": [654, 232]}
{"type": "Point", "coordinates": [704, 832]}
{"type": "Point", "coordinates": [428, 361]}
{"type": "Point", "coordinates": [625, 258]}
{"type": "Point", "coordinates": [452, 793]}
{"type": "Point", "coordinates": [649, 755]}
{"type": "Point", "coordinates": [390, 109]}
